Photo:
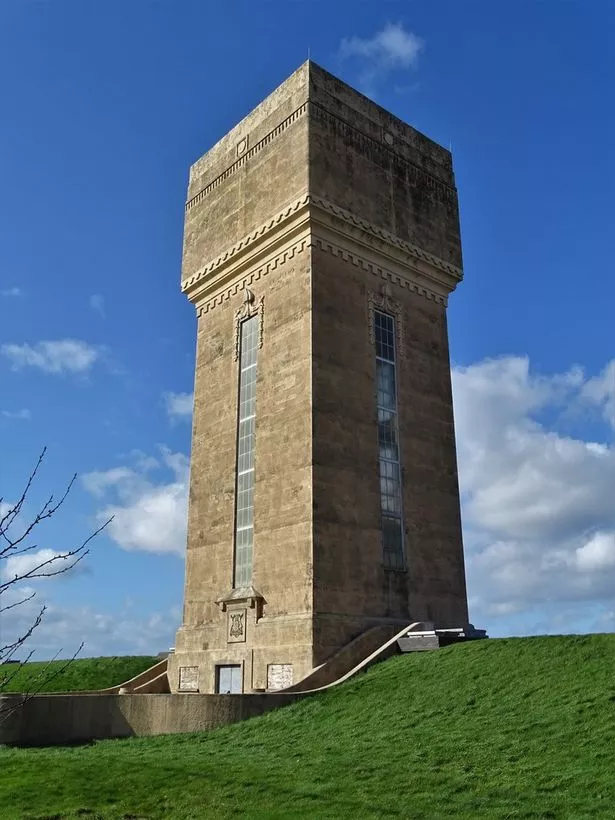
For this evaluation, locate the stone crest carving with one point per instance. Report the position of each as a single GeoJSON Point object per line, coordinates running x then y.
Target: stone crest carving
{"type": "Point", "coordinates": [236, 625]}
{"type": "Point", "coordinates": [250, 308]}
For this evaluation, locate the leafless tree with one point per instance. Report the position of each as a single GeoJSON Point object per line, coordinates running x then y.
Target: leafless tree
{"type": "Point", "coordinates": [16, 539]}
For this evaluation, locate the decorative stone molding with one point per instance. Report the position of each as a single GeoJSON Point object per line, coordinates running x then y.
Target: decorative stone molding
{"type": "Point", "coordinates": [253, 276]}
{"type": "Point", "coordinates": [247, 241]}
{"type": "Point", "coordinates": [377, 150]}
{"type": "Point", "coordinates": [249, 308]}
{"type": "Point", "coordinates": [236, 625]}
{"type": "Point", "coordinates": [311, 211]}
{"type": "Point", "coordinates": [385, 302]}
{"type": "Point", "coordinates": [380, 233]}
{"type": "Point", "coordinates": [298, 112]}
{"type": "Point", "coordinates": [378, 270]}
{"type": "Point", "coordinates": [394, 277]}
{"type": "Point", "coordinates": [360, 140]}
{"type": "Point", "coordinates": [242, 598]}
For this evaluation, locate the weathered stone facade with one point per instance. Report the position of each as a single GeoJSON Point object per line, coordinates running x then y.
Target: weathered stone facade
{"type": "Point", "coordinates": [314, 211]}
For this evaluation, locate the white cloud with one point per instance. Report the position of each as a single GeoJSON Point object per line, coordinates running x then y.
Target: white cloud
{"type": "Point", "coordinates": [389, 49]}
{"type": "Point", "coordinates": [597, 554]}
{"type": "Point", "coordinates": [97, 303]}
{"type": "Point", "coordinates": [21, 565]}
{"type": "Point", "coordinates": [98, 482]}
{"type": "Point", "coordinates": [62, 356]}
{"type": "Point", "coordinates": [63, 629]}
{"type": "Point", "coordinates": [539, 517]}
{"type": "Point", "coordinates": [393, 46]}
{"type": "Point", "coordinates": [179, 405]}
{"type": "Point", "coordinates": [21, 415]}
{"type": "Point", "coordinates": [601, 392]}
{"type": "Point", "coordinates": [11, 292]}
{"type": "Point", "coordinates": [148, 516]}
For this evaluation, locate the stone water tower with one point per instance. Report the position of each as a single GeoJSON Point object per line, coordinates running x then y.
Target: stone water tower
{"type": "Point", "coordinates": [321, 244]}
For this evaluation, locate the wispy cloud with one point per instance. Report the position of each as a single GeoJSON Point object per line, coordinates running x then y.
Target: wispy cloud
{"type": "Point", "coordinates": [62, 356]}
{"type": "Point", "coordinates": [21, 415]}
{"type": "Point", "coordinates": [390, 49]}
{"type": "Point", "coordinates": [21, 565]}
{"type": "Point", "coordinates": [11, 292]}
{"type": "Point", "coordinates": [124, 631]}
{"type": "Point", "coordinates": [179, 405]}
{"type": "Point", "coordinates": [97, 303]}
{"type": "Point", "coordinates": [147, 515]}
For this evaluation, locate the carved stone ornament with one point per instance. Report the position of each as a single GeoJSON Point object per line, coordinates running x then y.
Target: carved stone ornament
{"type": "Point", "coordinates": [250, 308]}
{"type": "Point", "coordinates": [384, 301]}
{"type": "Point", "coordinates": [236, 625]}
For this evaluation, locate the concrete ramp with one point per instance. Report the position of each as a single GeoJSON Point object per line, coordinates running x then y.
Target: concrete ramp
{"type": "Point", "coordinates": [369, 648]}
{"type": "Point", "coordinates": [152, 681]}
{"type": "Point", "coordinates": [363, 651]}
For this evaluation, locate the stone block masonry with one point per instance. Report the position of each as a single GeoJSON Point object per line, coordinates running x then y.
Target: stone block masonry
{"type": "Point", "coordinates": [317, 213]}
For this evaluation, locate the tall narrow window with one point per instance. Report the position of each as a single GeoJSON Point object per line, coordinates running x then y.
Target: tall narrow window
{"type": "Point", "coordinates": [244, 499]}
{"type": "Point", "coordinates": [388, 442]}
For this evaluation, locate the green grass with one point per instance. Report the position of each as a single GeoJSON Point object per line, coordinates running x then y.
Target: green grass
{"type": "Point", "coordinates": [79, 675]}
{"type": "Point", "coordinates": [517, 728]}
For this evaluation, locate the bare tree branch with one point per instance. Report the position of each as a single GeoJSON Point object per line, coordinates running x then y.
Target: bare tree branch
{"type": "Point", "coordinates": [11, 515]}
{"type": "Point", "coordinates": [43, 678]}
{"type": "Point", "coordinates": [17, 603]}
{"type": "Point", "coordinates": [47, 567]}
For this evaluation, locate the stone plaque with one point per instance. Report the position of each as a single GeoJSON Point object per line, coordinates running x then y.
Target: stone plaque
{"type": "Point", "coordinates": [188, 678]}
{"type": "Point", "coordinates": [279, 675]}
{"type": "Point", "coordinates": [236, 625]}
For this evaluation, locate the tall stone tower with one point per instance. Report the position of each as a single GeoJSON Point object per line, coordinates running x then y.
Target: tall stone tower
{"type": "Point", "coordinates": [321, 243]}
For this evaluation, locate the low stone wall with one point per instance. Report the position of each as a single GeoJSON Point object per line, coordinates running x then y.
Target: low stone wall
{"type": "Point", "coordinates": [46, 720]}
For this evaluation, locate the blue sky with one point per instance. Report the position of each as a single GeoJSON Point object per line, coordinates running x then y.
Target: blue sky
{"type": "Point", "coordinates": [103, 108]}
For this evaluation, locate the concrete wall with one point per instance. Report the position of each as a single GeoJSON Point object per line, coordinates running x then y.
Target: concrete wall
{"type": "Point", "coordinates": [45, 720]}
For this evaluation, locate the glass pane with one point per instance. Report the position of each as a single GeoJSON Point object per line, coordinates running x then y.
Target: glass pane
{"type": "Point", "coordinates": [390, 484]}
{"type": "Point", "coordinates": [244, 501]}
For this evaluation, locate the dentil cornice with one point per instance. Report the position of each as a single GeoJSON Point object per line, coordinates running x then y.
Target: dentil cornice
{"type": "Point", "coordinates": [310, 221]}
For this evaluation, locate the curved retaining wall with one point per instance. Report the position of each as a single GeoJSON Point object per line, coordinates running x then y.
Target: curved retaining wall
{"type": "Point", "coordinates": [46, 720]}
{"type": "Point", "coordinates": [55, 719]}
{"type": "Point", "coordinates": [375, 644]}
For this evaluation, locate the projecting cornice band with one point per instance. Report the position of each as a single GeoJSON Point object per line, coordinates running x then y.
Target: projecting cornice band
{"type": "Point", "coordinates": [313, 222]}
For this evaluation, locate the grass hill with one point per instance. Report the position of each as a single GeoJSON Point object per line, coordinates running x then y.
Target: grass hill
{"type": "Point", "coordinates": [515, 728]}
{"type": "Point", "coordinates": [78, 676]}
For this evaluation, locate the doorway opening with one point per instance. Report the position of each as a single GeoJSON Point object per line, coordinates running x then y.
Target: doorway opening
{"type": "Point", "coordinates": [228, 679]}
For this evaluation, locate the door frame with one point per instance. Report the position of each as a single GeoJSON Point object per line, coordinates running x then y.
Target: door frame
{"type": "Point", "coordinates": [236, 665]}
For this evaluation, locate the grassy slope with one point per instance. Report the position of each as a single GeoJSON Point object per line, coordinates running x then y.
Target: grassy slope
{"type": "Point", "coordinates": [500, 729]}
{"type": "Point", "coordinates": [79, 675]}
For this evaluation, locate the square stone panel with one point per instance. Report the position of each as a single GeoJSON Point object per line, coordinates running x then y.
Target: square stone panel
{"type": "Point", "coordinates": [279, 675]}
{"type": "Point", "coordinates": [188, 678]}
